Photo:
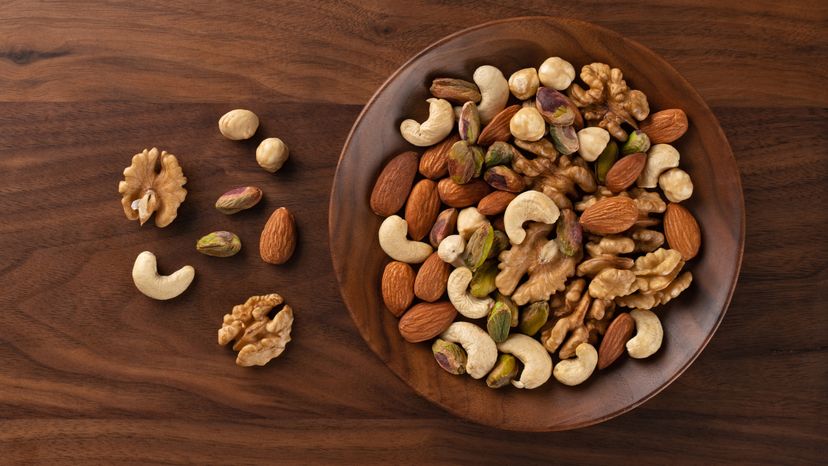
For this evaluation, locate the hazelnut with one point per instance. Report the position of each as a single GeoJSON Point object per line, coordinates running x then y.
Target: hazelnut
{"type": "Point", "coordinates": [238, 124]}
{"type": "Point", "coordinates": [556, 73]}
{"type": "Point", "coordinates": [524, 83]}
{"type": "Point", "coordinates": [527, 124]}
{"type": "Point", "coordinates": [271, 154]}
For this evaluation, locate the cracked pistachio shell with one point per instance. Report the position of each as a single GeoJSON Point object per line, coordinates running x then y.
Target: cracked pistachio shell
{"type": "Point", "coordinates": [554, 107]}
{"type": "Point", "coordinates": [483, 279]}
{"type": "Point", "coordinates": [507, 301]}
{"type": "Point", "coordinates": [449, 356]}
{"type": "Point", "coordinates": [469, 123]}
{"type": "Point", "coordinates": [478, 246]}
{"type": "Point", "coordinates": [570, 235]}
{"type": "Point", "coordinates": [534, 317]}
{"type": "Point", "coordinates": [504, 371]}
{"type": "Point", "coordinates": [219, 244]}
{"type": "Point", "coordinates": [565, 139]}
{"type": "Point", "coordinates": [499, 322]}
{"type": "Point", "coordinates": [499, 153]}
{"type": "Point", "coordinates": [465, 162]}
{"type": "Point", "coordinates": [638, 141]}
{"type": "Point", "coordinates": [605, 161]}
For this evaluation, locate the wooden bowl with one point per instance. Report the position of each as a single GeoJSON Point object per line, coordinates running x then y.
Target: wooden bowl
{"type": "Point", "coordinates": [689, 322]}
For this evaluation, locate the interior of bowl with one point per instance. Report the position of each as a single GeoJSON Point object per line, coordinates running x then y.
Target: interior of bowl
{"type": "Point", "coordinates": [688, 322]}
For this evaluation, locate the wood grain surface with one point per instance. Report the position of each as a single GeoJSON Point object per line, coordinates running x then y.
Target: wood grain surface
{"type": "Point", "coordinates": [93, 372]}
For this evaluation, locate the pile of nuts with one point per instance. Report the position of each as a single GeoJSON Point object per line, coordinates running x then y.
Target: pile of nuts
{"type": "Point", "coordinates": [154, 184]}
{"type": "Point", "coordinates": [540, 218]}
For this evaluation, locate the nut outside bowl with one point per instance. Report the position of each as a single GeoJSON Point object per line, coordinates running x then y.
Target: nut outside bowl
{"type": "Point", "coordinates": [513, 44]}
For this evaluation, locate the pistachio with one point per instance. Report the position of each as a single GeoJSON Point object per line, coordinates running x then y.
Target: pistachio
{"type": "Point", "coordinates": [219, 244]}
{"type": "Point", "coordinates": [504, 178]}
{"type": "Point", "coordinates": [483, 279]}
{"type": "Point", "coordinates": [565, 139]}
{"type": "Point", "coordinates": [238, 199]}
{"type": "Point", "coordinates": [468, 122]}
{"type": "Point", "coordinates": [504, 371]}
{"type": "Point", "coordinates": [570, 235]}
{"type": "Point", "coordinates": [443, 226]}
{"type": "Point", "coordinates": [457, 91]}
{"type": "Point", "coordinates": [542, 147]}
{"type": "Point", "coordinates": [478, 246]}
{"type": "Point", "coordinates": [605, 161]}
{"type": "Point", "coordinates": [638, 141]}
{"type": "Point", "coordinates": [499, 153]}
{"type": "Point", "coordinates": [500, 243]}
{"type": "Point", "coordinates": [465, 162]}
{"type": "Point", "coordinates": [554, 107]}
{"type": "Point", "coordinates": [499, 322]}
{"type": "Point", "coordinates": [449, 356]}
{"type": "Point", "coordinates": [533, 317]}
{"type": "Point", "coordinates": [507, 301]}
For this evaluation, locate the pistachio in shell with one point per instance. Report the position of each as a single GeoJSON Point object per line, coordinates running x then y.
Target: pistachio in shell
{"type": "Point", "coordinates": [483, 279]}
{"type": "Point", "coordinates": [478, 246]}
{"type": "Point", "coordinates": [554, 107]}
{"type": "Point", "coordinates": [499, 153]}
{"type": "Point", "coordinates": [449, 356]}
{"type": "Point", "coordinates": [500, 243]}
{"type": "Point", "coordinates": [504, 371]}
{"type": "Point", "coordinates": [219, 244]}
{"type": "Point", "coordinates": [499, 322]}
{"type": "Point", "coordinates": [533, 317]}
{"type": "Point", "coordinates": [570, 235]}
{"type": "Point", "coordinates": [565, 139]}
{"type": "Point", "coordinates": [469, 122]}
{"type": "Point", "coordinates": [465, 162]}
{"type": "Point", "coordinates": [507, 301]}
{"type": "Point", "coordinates": [605, 160]}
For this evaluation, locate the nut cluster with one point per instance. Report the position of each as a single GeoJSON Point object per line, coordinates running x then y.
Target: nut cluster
{"type": "Point", "coordinates": [537, 213]}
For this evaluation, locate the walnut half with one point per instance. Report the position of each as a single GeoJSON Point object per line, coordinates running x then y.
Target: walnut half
{"type": "Point", "coordinates": [258, 339]}
{"type": "Point", "coordinates": [154, 183]}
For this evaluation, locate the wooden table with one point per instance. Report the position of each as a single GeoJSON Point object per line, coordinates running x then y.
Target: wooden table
{"type": "Point", "coordinates": [91, 370]}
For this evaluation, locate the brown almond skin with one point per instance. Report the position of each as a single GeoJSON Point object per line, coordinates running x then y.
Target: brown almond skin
{"type": "Point", "coordinates": [278, 239]}
{"type": "Point", "coordinates": [682, 231]}
{"type": "Point", "coordinates": [615, 340]}
{"type": "Point", "coordinates": [397, 287]}
{"type": "Point", "coordinates": [610, 215]}
{"type": "Point", "coordinates": [495, 203]}
{"type": "Point", "coordinates": [624, 172]}
{"type": "Point", "coordinates": [462, 195]}
{"type": "Point", "coordinates": [443, 226]}
{"type": "Point", "coordinates": [434, 162]}
{"type": "Point", "coordinates": [393, 184]}
{"type": "Point", "coordinates": [430, 284]}
{"type": "Point", "coordinates": [422, 208]}
{"type": "Point", "coordinates": [425, 321]}
{"type": "Point", "coordinates": [665, 126]}
{"type": "Point", "coordinates": [498, 128]}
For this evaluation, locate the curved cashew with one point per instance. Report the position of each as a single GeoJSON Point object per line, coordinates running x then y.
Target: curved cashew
{"type": "Point", "coordinates": [592, 141]}
{"type": "Point", "coordinates": [660, 158]}
{"type": "Point", "coordinates": [481, 352]}
{"type": "Point", "coordinates": [648, 334]}
{"type": "Point", "coordinates": [494, 91]}
{"type": "Point", "coordinates": [393, 240]}
{"type": "Point", "coordinates": [469, 220]}
{"type": "Point", "coordinates": [451, 250]}
{"type": "Point", "coordinates": [575, 371]}
{"type": "Point", "coordinates": [676, 185]}
{"type": "Point", "coordinates": [537, 364]}
{"type": "Point", "coordinates": [439, 124]}
{"type": "Point", "coordinates": [530, 205]}
{"type": "Point", "coordinates": [148, 281]}
{"type": "Point", "coordinates": [463, 301]}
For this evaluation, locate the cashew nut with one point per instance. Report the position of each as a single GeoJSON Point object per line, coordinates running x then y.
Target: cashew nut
{"type": "Point", "coordinates": [393, 240]}
{"type": "Point", "coordinates": [481, 351]}
{"type": "Point", "coordinates": [469, 220]}
{"type": "Point", "coordinates": [451, 250]}
{"type": "Point", "coordinates": [575, 371]}
{"type": "Point", "coordinates": [494, 91]}
{"type": "Point", "coordinates": [676, 185]}
{"type": "Point", "coordinates": [148, 281]}
{"type": "Point", "coordinates": [439, 124]}
{"type": "Point", "coordinates": [660, 158]}
{"type": "Point", "coordinates": [537, 364]}
{"type": "Point", "coordinates": [463, 301]}
{"type": "Point", "coordinates": [527, 124]}
{"type": "Point", "coordinates": [238, 124]}
{"type": "Point", "coordinates": [592, 141]}
{"type": "Point", "coordinates": [648, 334]}
{"type": "Point", "coordinates": [556, 73]}
{"type": "Point", "coordinates": [530, 205]}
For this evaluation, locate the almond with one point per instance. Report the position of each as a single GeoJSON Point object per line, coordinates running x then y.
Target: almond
{"type": "Point", "coordinates": [462, 195]}
{"type": "Point", "coordinates": [422, 208]}
{"type": "Point", "coordinates": [393, 184]}
{"type": "Point", "coordinates": [682, 231]}
{"type": "Point", "coordinates": [615, 340]}
{"type": "Point", "coordinates": [278, 239]}
{"type": "Point", "coordinates": [610, 215]}
{"type": "Point", "coordinates": [425, 321]}
{"type": "Point", "coordinates": [665, 126]}
{"type": "Point", "coordinates": [495, 203]}
{"type": "Point", "coordinates": [434, 162]}
{"type": "Point", "coordinates": [431, 280]}
{"type": "Point", "coordinates": [397, 287]}
{"type": "Point", "coordinates": [498, 128]}
{"type": "Point", "coordinates": [625, 171]}
{"type": "Point", "coordinates": [443, 226]}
